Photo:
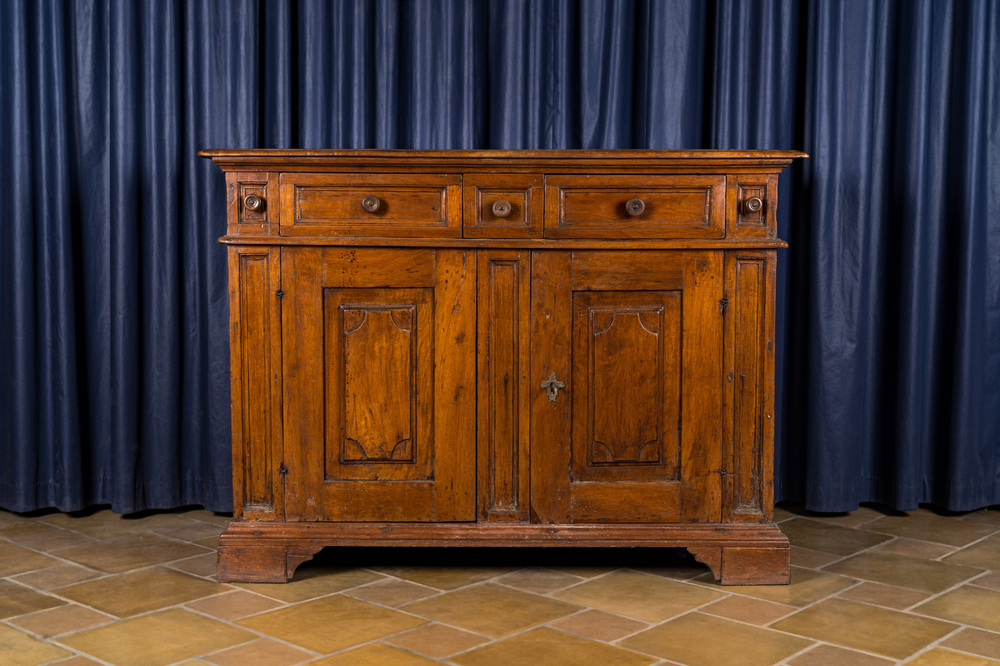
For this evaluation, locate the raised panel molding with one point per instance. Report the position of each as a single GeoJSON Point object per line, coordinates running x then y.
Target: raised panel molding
{"type": "Point", "coordinates": [378, 370]}
{"type": "Point", "coordinates": [380, 349]}
{"type": "Point", "coordinates": [626, 383]}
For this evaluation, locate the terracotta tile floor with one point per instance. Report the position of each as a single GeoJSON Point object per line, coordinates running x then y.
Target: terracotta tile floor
{"type": "Point", "coordinates": [868, 587]}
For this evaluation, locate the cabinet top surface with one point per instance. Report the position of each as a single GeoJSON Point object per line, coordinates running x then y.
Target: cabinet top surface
{"type": "Point", "coordinates": [271, 158]}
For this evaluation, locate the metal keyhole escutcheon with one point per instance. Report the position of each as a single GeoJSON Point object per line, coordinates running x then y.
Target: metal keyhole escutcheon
{"type": "Point", "coordinates": [552, 387]}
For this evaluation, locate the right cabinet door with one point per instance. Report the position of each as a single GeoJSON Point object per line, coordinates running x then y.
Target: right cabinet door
{"type": "Point", "coordinates": [627, 373]}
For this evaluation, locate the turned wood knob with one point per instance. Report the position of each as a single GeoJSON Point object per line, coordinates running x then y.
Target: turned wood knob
{"type": "Point", "coordinates": [753, 204]}
{"type": "Point", "coordinates": [501, 208]}
{"type": "Point", "coordinates": [371, 203]}
{"type": "Point", "coordinates": [635, 206]}
{"type": "Point", "coordinates": [252, 202]}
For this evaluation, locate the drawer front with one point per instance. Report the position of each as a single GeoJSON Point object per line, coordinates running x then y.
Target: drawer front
{"type": "Point", "coordinates": [401, 205]}
{"type": "Point", "coordinates": [620, 207]}
{"type": "Point", "coordinates": [499, 205]}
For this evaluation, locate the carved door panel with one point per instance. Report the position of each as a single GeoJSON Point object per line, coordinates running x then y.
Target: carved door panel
{"type": "Point", "coordinates": [379, 363]}
{"type": "Point", "coordinates": [634, 432]}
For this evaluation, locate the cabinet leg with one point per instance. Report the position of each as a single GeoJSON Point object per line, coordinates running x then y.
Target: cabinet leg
{"type": "Point", "coordinates": [746, 566]}
{"type": "Point", "coordinates": [261, 564]}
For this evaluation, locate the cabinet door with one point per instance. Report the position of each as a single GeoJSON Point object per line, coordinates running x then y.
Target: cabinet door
{"type": "Point", "coordinates": [628, 425]}
{"type": "Point", "coordinates": [379, 400]}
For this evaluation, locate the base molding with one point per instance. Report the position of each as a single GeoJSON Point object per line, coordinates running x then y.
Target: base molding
{"type": "Point", "coordinates": [269, 552]}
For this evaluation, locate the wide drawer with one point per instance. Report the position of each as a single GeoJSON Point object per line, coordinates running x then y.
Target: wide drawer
{"type": "Point", "coordinates": [615, 206]}
{"type": "Point", "coordinates": [415, 205]}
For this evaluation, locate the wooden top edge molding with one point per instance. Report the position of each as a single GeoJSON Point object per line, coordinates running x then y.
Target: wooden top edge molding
{"type": "Point", "coordinates": [510, 243]}
{"type": "Point", "coordinates": [488, 159]}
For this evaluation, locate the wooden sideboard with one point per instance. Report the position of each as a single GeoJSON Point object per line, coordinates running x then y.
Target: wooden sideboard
{"type": "Point", "coordinates": [509, 348]}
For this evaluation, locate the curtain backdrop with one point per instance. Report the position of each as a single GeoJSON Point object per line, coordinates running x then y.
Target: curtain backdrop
{"type": "Point", "coordinates": [113, 318]}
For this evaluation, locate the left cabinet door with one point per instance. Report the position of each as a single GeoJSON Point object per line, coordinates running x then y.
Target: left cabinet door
{"type": "Point", "coordinates": [379, 367]}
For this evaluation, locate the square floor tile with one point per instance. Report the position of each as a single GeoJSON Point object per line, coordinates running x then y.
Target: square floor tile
{"type": "Point", "coordinates": [548, 647]}
{"type": "Point", "coordinates": [264, 652]}
{"type": "Point", "coordinates": [437, 640]}
{"type": "Point", "coordinates": [942, 657]}
{"type": "Point", "coordinates": [639, 596]}
{"type": "Point", "coordinates": [988, 516]}
{"type": "Point", "coordinates": [984, 555]}
{"type": "Point", "coordinates": [977, 641]}
{"type": "Point", "coordinates": [20, 649]}
{"type": "Point", "coordinates": [141, 591]}
{"type": "Point", "coordinates": [811, 559]}
{"type": "Point", "coordinates": [831, 655]}
{"type": "Point", "coordinates": [491, 609]}
{"type": "Point", "coordinates": [901, 571]}
{"type": "Point", "coordinates": [929, 527]}
{"type": "Point", "coordinates": [990, 579]}
{"type": "Point", "coordinates": [57, 576]}
{"type": "Point", "coordinates": [703, 640]}
{"type": "Point", "coordinates": [129, 552]}
{"type": "Point", "coordinates": [540, 581]}
{"type": "Point", "coordinates": [925, 550]}
{"type": "Point", "coordinates": [205, 516]}
{"type": "Point", "coordinates": [104, 524]}
{"type": "Point", "coordinates": [234, 605]}
{"type": "Point", "coordinates": [815, 535]}
{"type": "Point", "coordinates": [61, 620]}
{"type": "Point", "coordinates": [444, 578]}
{"type": "Point", "coordinates": [968, 604]}
{"type": "Point", "coordinates": [50, 538]}
{"type": "Point", "coordinates": [312, 582]}
{"type": "Point", "coordinates": [862, 627]}
{"type": "Point", "coordinates": [745, 609]}
{"type": "Point", "coordinates": [194, 530]}
{"type": "Point", "coordinates": [158, 638]}
{"type": "Point", "coordinates": [15, 559]}
{"type": "Point", "coordinates": [600, 625]}
{"type": "Point", "coordinates": [17, 600]}
{"type": "Point", "coordinates": [12, 525]}
{"type": "Point", "coordinates": [331, 623]}
{"type": "Point", "coordinates": [375, 654]}
{"type": "Point", "coordinates": [392, 592]}
{"type": "Point", "coordinates": [885, 595]}
{"type": "Point", "coordinates": [200, 565]}
{"type": "Point", "coordinates": [807, 587]}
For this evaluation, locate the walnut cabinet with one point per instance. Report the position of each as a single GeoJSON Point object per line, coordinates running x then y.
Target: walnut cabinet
{"type": "Point", "coordinates": [475, 348]}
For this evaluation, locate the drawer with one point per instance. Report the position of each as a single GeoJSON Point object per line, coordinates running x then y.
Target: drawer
{"type": "Point", "coordinates": [414, 205]}
{"type": "Point", "coordinates": [503, 205]}
{"type": "Point", "coordinates": [621, 207]}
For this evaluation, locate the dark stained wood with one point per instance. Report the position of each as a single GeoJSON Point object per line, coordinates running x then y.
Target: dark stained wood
{"type": "Point", "coordinates": [393, 363]}
{"type": "Point", "coordinates": [504, 389]}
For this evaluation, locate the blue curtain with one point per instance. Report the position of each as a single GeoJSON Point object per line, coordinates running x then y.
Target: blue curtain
{"type": "Point", "coordinates": [113, 318]}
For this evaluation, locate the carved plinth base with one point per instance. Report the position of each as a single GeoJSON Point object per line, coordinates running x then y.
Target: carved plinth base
{"type": "Point", "coordinates": [738, 554]}
{"type": "Point", "coordinates": [262, 563]}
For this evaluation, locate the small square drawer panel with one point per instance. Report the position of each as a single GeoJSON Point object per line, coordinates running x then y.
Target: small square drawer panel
{"type": "Point", "coordinates": [622, 207]}
{"type": "Point", "coordinates": [402, 205]}
{"type": "Point", "coordinates": [503, 205]}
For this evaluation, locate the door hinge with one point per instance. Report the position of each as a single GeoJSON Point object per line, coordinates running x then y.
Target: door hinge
{"type": "Point", "coordinates": [722, 305]}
